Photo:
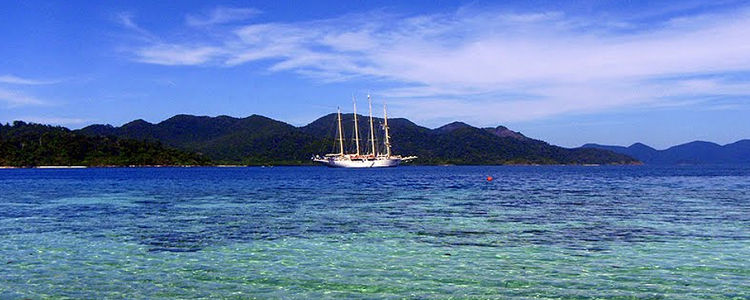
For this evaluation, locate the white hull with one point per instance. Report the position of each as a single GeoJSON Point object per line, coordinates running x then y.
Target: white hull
{"type": "Point", "coordinates": [372, 160]}
{"type": "Point", "coordinates": [336, 162]}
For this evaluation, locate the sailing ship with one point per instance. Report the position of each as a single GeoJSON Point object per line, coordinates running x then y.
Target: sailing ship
{"type": "Point", "coordinates": [373, 159]}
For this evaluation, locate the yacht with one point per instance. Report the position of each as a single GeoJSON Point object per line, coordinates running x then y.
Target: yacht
{"type": "Point", "coordinates": [371, 159]}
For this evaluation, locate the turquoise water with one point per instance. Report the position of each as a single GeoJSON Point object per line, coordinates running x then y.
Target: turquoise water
{"type": "Point", "coordinates": [408, 232]}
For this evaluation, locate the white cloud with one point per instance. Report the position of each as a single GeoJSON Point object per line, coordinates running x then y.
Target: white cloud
{"type": "Point", "coordinates": [517, 66]}
{"type": "Point", "coordinates": [221, 15]}
{"type": "Point", "coordinates": [16, 99]}
{"type": "Point", "coordinates": [173, 55]}
{"type": "Point", "coordinates": [11, 79]}
{"type": "Point", "coordinates": [126, 19]}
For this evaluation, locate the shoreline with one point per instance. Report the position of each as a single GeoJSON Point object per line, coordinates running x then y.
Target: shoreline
{"type": "Point", "coordinates": [300, 165]}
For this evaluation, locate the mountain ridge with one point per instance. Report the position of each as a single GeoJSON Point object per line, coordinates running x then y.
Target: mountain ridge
{"type": "Point", "coordinates": [29, 144]}
{"type": "Point", "coordinates": [695, 152]}
{"type": "Point", "coordinates": [258, 139]}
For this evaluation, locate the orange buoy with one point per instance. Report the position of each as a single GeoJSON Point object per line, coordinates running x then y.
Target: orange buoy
{"type": "Point", "coordinates": [489, 178]}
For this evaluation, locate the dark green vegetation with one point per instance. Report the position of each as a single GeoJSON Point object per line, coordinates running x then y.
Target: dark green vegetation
{"type": "Point", "coordinates": [23, 144]}
{"type": "Point", "coordinates": [697, 152]}
{"type": "Point", "coordinates": [257, 140]}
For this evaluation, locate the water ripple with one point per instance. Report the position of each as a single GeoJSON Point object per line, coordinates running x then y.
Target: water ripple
{"type": "Point", "coordinates": [414, 232]}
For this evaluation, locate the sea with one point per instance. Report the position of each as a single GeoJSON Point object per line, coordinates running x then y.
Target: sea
{"type": "Point", "coordinates": [413, 232]}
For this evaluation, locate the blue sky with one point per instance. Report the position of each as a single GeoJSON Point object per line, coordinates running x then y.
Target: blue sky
{"type": "Point", "coordinates": [611, 72]}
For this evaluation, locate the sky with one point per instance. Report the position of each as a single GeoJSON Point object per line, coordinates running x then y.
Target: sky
{"type": "Point", "coordinates": [567, 72]}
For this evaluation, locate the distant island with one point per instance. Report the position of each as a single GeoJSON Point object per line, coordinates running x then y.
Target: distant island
{"type": "Point", "coordinates": [24, 145]}
{"type": "Point", "coordinates": [258, 140]}
{"type": "Point", "coordinates": [697, 152]}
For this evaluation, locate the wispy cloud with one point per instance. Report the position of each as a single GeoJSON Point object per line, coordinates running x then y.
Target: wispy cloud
{"type": "Point", "coordinates": [16, 99]}
{"type": "Point", "coordinates": [126, 19]}
{"type": "Point", "coordinates": [173, 55]}
{"type": "Point", "coordinates": [491, 65]}
{"type": "Point", "coordinates": [11, 79]}
{"type": "Point", "coordinates": [221, 15]}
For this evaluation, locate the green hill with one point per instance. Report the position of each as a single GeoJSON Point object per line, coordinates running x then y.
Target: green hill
{"type": "Point", "coordinates": [460, 143]}
{"type": "Point", "coordinates": [257, 140]}
{"type": "Point", "coordinates": [23, 144]}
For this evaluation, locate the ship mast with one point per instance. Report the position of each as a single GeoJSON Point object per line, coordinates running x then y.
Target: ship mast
{"type": "Point", "coordinates": [341, 135]}
{"type": "Point", "coordinates": [387, 138]}
{"type": "Point", "coordinates": [356, 126]}
{"type": "Point", "coordinates": [372, 129]}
